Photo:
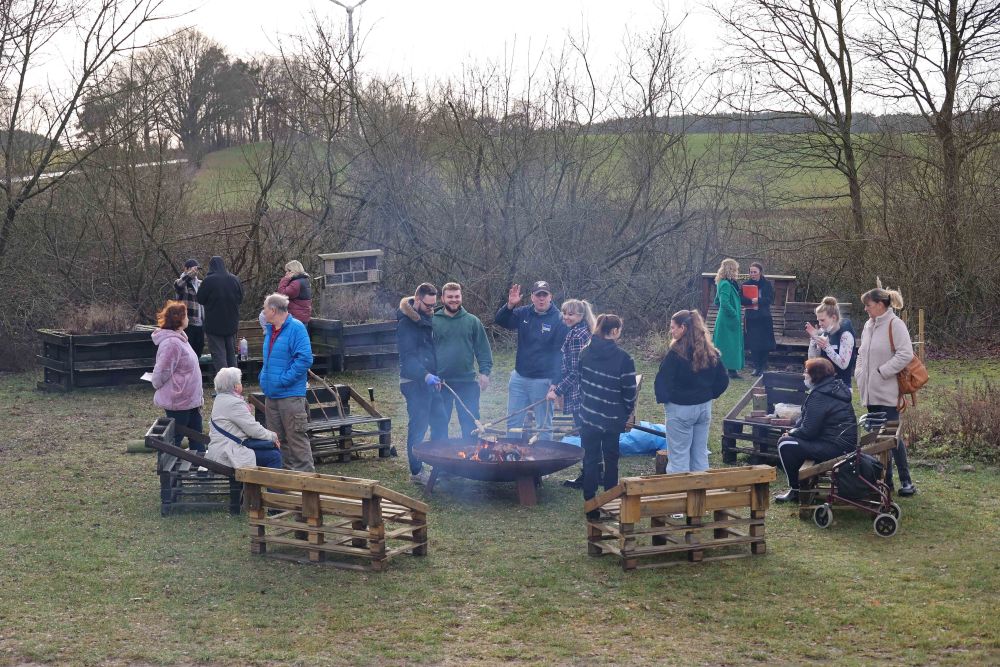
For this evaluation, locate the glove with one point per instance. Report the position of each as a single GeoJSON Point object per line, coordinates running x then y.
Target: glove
{"type": "Point", "coordinates": [432, 380]}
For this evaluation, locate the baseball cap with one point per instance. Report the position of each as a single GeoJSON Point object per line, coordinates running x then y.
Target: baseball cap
{"type": "Point", "coordinates": [541, 286]}
{"type": "Point", "coordinates": [190, 263]}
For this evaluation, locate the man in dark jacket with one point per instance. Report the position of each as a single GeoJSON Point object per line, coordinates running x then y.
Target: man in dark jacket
{"type": "Point", "coordinates": [186, 289]}
{"type": "Point", "coordinates": [827, 428]}
{"type": "Point", "coordinates": [540, 335]}
{"type": "Point", "coordinates": [418, 380]}
{"type": "Point", "coordinates": [221, 294]}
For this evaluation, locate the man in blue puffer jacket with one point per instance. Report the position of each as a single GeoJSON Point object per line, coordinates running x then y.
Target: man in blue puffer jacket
{"type": "Point", "coordinates": [287, 360]}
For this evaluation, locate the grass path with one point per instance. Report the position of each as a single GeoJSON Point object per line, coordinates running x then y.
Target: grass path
{"type": "Point", "coordinates": [91, 574]}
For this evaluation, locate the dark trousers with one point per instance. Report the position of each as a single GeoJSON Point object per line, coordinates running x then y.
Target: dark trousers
{"type": "Point", "coordinates": [268, 456]}
{"type": "Point", "coordinates": [759, 359]}
{"type": "Point", "coordinates": [899, 452]}
{"type": "Point", "coordinates": [469, 393]}
{"type": "Point", "coordinates": [196, 338]}
{"type": "Point", "coordinates": [792, 452]}
{"type": "Point", "coordinates": [190, 418]}
{"type": "Point", "coordinates": [423, 409]}
{"type": "Point", "coordinates": [223, 351]}
{"type": "Point", "coordinates": [597, 445]}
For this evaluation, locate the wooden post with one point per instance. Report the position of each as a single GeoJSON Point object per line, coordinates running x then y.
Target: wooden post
{"type": "Point", "coordinates": [420, 533]}
{"type": "Point", "coordinates": [922, 350]}
{"type": "Point", "coordinates": [313, 515]}
{"type": "Point", "coordinates": [661, 462]}
{"type": "Point", "coordinates": [695, 510]}
{"type": "Point", "coordinates": [255, 510]}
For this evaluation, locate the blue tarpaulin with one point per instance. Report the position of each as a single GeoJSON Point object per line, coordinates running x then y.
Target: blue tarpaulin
{"type": "Point", "coordinates": [635, 442]}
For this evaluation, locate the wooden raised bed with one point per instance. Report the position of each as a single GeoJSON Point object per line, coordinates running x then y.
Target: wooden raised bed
{"type": "Point", "coordinates": [329, 516]}
{"type": "Point", "coordinates": [762, 438]}
{"type": "Point", "coordinates": [71, 361]}
{"type": "Point", "coordinates": [736, 499]}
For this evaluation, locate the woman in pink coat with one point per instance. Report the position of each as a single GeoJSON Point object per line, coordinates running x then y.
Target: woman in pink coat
{"type": "Point", "coordinates": [177, 375]}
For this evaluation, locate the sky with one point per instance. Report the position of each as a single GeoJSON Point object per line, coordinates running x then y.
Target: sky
{"type": "Point", "coordinates": [432, 39]}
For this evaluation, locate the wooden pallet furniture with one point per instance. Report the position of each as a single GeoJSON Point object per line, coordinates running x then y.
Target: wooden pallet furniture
{"type": "Point", "coordinates": [343, 521]}
{"type": "Point", "coordinates": [724, 507]}
{"type": "Point", "coordinates": [334, 431]}
{"type": "Point", "coordinates": [71, 361]}
{"type": "Point", "coordinates": [814, 478]}
{"type": "Point", "coordinates": [187, 480]}
{"type": "Point", "coordinates": [759, 441]}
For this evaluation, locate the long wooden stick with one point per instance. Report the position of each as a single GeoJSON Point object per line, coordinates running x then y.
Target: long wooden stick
{"type": "Point", "coordinates": [516, 412]}
{"type": "Point", "coordinates": [336, 394]}
{"type": "Point", "coordinates": [479, 424]}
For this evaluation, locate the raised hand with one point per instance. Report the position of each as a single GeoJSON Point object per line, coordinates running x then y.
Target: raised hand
{"type": "Point", "coordinates": [514, 296]}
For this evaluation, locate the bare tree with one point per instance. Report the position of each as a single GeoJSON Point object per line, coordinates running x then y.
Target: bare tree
{"type": "Point", "coordinates": [801, 55]}
{"type": "Point", "coordinates": [27, 30]}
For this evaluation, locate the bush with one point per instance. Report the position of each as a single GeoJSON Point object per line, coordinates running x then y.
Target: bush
{"type": "Point", "coordinates": [355, 305]}
{"type": "Point", "coordinates": [99, 318]}
{"type": "Point", "coordinates": [965, 424]}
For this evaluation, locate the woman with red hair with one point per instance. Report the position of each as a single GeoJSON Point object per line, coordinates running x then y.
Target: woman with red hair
{"type": "Point", "coordinates": [177, 374]}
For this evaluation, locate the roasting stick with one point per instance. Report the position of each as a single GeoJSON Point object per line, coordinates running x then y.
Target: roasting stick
{"type": "Point", "coordinates": [336, 395]}
{"type": "Point", "coordinates": [479, 424]}
{"type": "Point", "coordinates": [549, 408]}
{"type": "Point", "coordinates": [503, 419]}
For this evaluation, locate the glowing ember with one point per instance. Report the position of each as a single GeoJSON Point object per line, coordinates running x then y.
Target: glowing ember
{"type": "Point", "coordinates": [490, 451]}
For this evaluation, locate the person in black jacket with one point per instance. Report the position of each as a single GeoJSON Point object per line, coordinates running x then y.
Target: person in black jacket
{"type": "Point", "coordinates": [221, 294]}
{"type": "Point", "coordinates": [827, 428]}
{"type": "Point", "coordinates": [418, 380]}
{"type": "Point", "coordinates": [608, 387]}
{"type": "Point", "coordinates": [757, 315]}
{"type": "Point", "coordinates": [691, 376]}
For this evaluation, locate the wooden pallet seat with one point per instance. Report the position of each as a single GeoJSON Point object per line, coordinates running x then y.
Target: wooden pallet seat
{"type": "Point", "coordinates": [187, 480]}
{"type": "Point", "coordinates": [346, 522]}
{"type": "Point", "coordinates": [724, 507]}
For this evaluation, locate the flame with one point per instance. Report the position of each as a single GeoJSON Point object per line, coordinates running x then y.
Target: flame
{"type": "Point", "coordinates": [491, 451]}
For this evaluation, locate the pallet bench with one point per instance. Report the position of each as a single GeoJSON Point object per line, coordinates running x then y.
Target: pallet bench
{"type": "Point", "coordinates": [736, 498]}
{"type": "Point", "coordinates": [740, 436]}
{"type": "Point", "coordinates": [187, 480]}
{"type": "Point", "coordinates": [328, 516]}
{"type": "Point", "coordinates": [332, 430]}
{"type": "Point", "coordinates": [814, 478]}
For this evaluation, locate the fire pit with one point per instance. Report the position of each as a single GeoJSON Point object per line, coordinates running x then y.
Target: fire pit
{"type": "Point", "coordinates": [498, 460]}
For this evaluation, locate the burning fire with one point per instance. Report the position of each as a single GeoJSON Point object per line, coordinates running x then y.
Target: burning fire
{"type": "Point", "coordinates": [491, 451]}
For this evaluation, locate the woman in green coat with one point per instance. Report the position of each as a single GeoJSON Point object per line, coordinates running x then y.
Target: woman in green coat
{"type": "Point", "coordinates": [728, 332]}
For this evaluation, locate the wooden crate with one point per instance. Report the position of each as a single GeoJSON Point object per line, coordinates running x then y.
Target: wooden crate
{"type": "Point", "coordinates": [722, 508]}
{"type": "Point", "coordinates": [762, 439]}
{"type": "Point", "coordinates": [340, 435]}
{"type": "Point", "coordinates": [358, 521]}
{"type": "Point", "coordinates": [187, 480]}
{"type": "Point", "coordinates": [71, 361]}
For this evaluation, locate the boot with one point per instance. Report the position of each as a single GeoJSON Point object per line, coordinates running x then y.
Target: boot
{"type": "Point", "coordinates": [789, 496]}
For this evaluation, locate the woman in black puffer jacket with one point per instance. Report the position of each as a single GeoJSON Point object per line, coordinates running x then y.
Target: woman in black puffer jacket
{"type": "Point", "coordinates": [608, 388]}
{"type": "Point", "coordinates": [827, 428]}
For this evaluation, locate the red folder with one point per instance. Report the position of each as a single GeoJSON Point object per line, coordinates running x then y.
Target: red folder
{"type": "Point", "coordinates": [750, 292]}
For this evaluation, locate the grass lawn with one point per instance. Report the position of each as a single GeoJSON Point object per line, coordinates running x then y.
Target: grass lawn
{"type": "Point", "coordinates": [91, 574]}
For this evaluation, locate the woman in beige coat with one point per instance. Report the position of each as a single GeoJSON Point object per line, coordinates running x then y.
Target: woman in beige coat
{"type": "Point", "coordinates": [878, 365]}
{"type": "Point", "coordinates": [239, 440]}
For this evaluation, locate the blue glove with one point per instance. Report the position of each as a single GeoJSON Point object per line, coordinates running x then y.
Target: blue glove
{"type": "Point", "coordinates": [432, 380]}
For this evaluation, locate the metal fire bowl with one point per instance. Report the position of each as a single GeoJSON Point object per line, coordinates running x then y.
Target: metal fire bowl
{"type": "Point", "coordinates": [549, 457]}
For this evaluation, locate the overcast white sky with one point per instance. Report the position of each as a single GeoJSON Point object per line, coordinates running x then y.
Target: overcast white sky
{"type": "Point", "coordinates": [431, 39]}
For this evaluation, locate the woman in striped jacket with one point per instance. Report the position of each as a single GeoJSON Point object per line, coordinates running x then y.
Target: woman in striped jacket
{"type": "Point", "coordinates": [608, 386]}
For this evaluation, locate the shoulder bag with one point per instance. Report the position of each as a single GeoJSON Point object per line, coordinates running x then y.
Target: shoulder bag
{"type": "Point", "coordinates": [911, 378]}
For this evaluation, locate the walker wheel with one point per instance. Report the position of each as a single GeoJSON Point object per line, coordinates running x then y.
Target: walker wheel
{"type": "Point", "coordinates": [895, 510]}
{"type": "Point", "coordinates": [823, 515]}
{"type": "Point", "coordinates": [886, 525]}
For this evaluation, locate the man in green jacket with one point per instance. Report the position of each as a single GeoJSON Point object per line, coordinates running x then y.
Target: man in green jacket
{"type": "Point", "coordinates": [460, 344]}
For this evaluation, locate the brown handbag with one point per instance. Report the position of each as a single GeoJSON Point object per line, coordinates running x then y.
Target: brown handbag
{"type": "Point", "coordinates": [910, 379]}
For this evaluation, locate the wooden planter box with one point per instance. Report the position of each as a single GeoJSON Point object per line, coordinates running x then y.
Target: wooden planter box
{"type": "Point", "coordinates": [757, 439]}
{"type": "Point", "coordinates": [72, 361]}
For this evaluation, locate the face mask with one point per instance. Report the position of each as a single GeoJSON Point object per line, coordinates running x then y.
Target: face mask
{"type": "Point", "coordinates": [808, 383]}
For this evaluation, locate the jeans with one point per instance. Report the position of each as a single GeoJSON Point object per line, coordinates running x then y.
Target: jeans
{"type": "Point", "coordinates": [899, 452]}
{"type": "Point", "coordinates": [687, 436]}
{"type": "Point", "coordinates": [196, 338]}
{"type": "Point", "coordinates": [288, 418]}
{"type": "Point", "coordinates": [190, 418]}
{"type": "Point", "coordinates": [223, 351]}
{"type": "Point", "coordinates": [423, 408]}
{"type": "Point", "coordinates": [597, 445]}
{"type": "Point", "coordinates": [469, 393]}
{"type": "Point", "coordinates": [792, 453]}
{"type": "Point", "coordinates": [268, 456]}
{"type": "Point", "coordinates": [522, 392]}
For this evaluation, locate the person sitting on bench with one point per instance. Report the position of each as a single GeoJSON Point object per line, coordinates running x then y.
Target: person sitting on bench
{"type": "Point", "coordinates": [827, 428]}
{"type": "Point", "coordinates": [239, 440]}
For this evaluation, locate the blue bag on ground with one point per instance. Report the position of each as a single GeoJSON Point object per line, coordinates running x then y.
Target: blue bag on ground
{"type": "Point", "coordinates": [633, 443]}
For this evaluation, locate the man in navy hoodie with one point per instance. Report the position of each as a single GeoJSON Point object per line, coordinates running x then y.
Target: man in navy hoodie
{"type": "Point", "coordinates": [540, 334]}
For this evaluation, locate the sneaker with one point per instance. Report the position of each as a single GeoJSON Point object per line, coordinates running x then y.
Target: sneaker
{"type": "Point", "coordinates": [907, 489]}
{"type": "Point", "coordinates": [677, 516]}
{"type": "Point", "coordinates": [791, 495]}
{"type": "Point", "coordinates": [421, 478]}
